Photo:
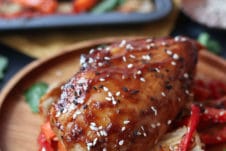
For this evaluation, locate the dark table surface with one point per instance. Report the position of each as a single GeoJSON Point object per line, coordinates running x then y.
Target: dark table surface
{"type": "Point", "coordinates": [184, 26]}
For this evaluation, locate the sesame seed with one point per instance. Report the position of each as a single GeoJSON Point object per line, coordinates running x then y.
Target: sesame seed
{"type": "Point", "coordinates": [123, 128]}
{"type": "Point", "coordinates": [148, 47]}
{"type": "Point", "coordinates": [187, 92]}
{"type": "Point", "coordinates": [100, 64]}
{"type": "Point", "coordinates": [169, 122]}
{"type": "Point", "coordinates": [114, 102]}
{"type": "Point", "coordinates": [179, 99]}
{"type": "Point", "coordinates": [142, 79]}
{"type": "Point", "coordinates": [169, 52]}
{"type": "Point", "coordinates": [91, 51]}
{"type": "Point", "coordinates": [90, 60]}
{"type": "Point", "coordinates": [163, 94]}
{"type": "Point", "coordinates": [130, 66]}
{"type": "Point", "coordinates": [154, 110]}
{"type": "Point", "coordinates": [218, 138]}
{"type": "Point", "coordinates": [139, 72]}
{"type": "Point", "coordinates": [146, 57]}
{"type": "Point", "coordinates": [117, 93]}
{"type": "Point", "coordinates": [123, 43]}
{"type": "Point", "coordinates": [126, 122]}
{"type": "Point", "coordinates": [163, 43]}
{"type": "Point", "coordinates": [108, 98]}
{"type": "Point", "coordinates": [144, 134]}
{"type": "Point", "coordinates": [177, 38]}
{"type": "Point", "coordinates": [158, 124]}
{"type": "Point", "coordinates": [149, 40]}
{"type": "Point", "coordinates": [153, 126]}
{"type": "Point", "coordinates": [105, 89]}
{"type": "Point", "coordinates": [104, 149]}
{"type": "Point", "coordinates": [132, 56]}
{"type": "Point", "coordinates": [221, 113]}
{"type": "Point", "coordinates": [107, 58]}
{"type": "Point", "coordinates": [175, 56]}
{"type": "Point", "coordinates": [99, 48]}
{"type": "Point", "coordinates": [109, 94]}
{"type": "Point", "coordinates": [102, 79]}
{"type": "Point", "coordinates": [121, 142]}
{"type": "Point", "coordinates": [129, 47]}
{"type": "Point", "coordinates": [173, 63]}
{"type": "Point", "coordinates": [124, 59]}
{"type": "Point", "coordinates": [186, 75]}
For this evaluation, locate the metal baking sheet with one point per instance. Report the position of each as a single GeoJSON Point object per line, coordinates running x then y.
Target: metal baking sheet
{"type": "Point", "coordinates": [162, 9]}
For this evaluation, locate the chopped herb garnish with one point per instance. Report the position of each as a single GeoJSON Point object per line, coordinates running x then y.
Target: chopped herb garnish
{"type": "Point", "coordinates": [34, 93]}
{"type": "Point", "coordinates": [3, 66]}
{"type": "Point", "coordinates": [105, 6]}
{"type": "Point", "coordinates": [211, 44]}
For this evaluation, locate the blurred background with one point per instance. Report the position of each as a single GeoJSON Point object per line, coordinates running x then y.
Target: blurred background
{"type": "Point", "coordinates": [33, 29]}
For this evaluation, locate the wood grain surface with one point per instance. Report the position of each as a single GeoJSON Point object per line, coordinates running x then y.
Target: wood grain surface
{"type": "Point", "coordinates": [19, 127]}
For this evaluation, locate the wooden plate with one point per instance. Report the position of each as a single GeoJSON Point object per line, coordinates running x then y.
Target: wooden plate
{"type": "Point", "coordinates": [19, 127]}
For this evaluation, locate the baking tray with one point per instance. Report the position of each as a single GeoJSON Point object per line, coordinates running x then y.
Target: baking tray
{"type": "Point", "coordinates": [162, 9]}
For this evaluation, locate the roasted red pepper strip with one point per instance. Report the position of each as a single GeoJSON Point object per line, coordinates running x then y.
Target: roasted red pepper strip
{"type": "Point", "coordinates": [215, 115]}
{"type": "Point", "coordinates": [192, 125]}
{"type": "Point", "coordinates": [216, 137]}
{"type": "Point", "coordinates": [43, 143]}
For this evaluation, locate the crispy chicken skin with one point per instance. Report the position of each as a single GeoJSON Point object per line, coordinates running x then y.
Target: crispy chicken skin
{"type": "Point", "coordinates": [125, 95]}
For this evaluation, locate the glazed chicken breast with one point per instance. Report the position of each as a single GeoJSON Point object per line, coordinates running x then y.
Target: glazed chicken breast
{"type": "Point", "coordinates": [125, 95]}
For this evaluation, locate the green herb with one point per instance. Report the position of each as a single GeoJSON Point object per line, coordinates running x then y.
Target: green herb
{"type": "Point", "coordinates": [105, 6]}
{"type": "Point", "coordinates": [211, 44]}
{"type": "Point", "coordinates": [3, 66]}
{"type": "Point", "coordinates": [34, 93]}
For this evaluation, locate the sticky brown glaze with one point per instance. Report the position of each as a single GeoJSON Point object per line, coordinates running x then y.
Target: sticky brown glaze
{"type": "Point", "coordinates": [125, 95]}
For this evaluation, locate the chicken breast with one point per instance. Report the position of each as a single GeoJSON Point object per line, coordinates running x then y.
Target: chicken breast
{"type": "Point", "coordinates": [125, 95]}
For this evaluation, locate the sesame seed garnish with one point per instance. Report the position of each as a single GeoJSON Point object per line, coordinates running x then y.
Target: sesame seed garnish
{"type": "Point", "coordinates": [105, 89]}
{"type": "Point", "coordinates": [123, 128]}
{"type": "Point", "coordinates": [158, 124]}
{"type": "Point", "coordinates": [153, 126]}
{"type": "Point", "coordinates": [175, 56]}
{"type": "Point", "coordinates": [100, 64]}
{"type": "Point", "coordinates": [163, 43]}
{"type": "Point", "coordinates": [142, 79]}
{"type": "Point", "coordinates": [132, 56]}
{"type": "Point", "coordinates": [179, 99]}
{"type": "Point", "coordinates": [108, 98]}
{"type": "Point", "coordinates": [109, 94]}
{"type": "Point", "coordinates": [124, 58]}
{"type": "Point", "coordinates": [99, 48]}
{"type": "Point", "coordinates": [154, 110]}
{"type": "Point", "coordinates": [123, 43]}
{"type": "Point", "coordinates": [130, 66]}
{"type": "Point", "coordinates": [91, 51]}
{"type": "Point", "coordinates": [144, 134]}
{"type": "Point", "coordinates": [218, 138]}
{"type": "Point", "coordinates": [126, 122]}
{"type": "Point", "coordinates": [148, 47]}
{"type": "Point", "coordinates": [90, 60]}
{"type": "Point", "coordinates": [149, 40]}
{"type": "Point", "coordinates": [107, 58]}
{"type": "Point", "coordinates": [169, 52]}
{"type": "Point", "coordinates": [139, 72]}
{"type": "Point", "coordinates": [121, 142]}
{"type": "Point", "coordinates": [169, 122]}
{"type": "Point", "coordinates": [163, 94]}
{"type": "Point", "coordinates": [117, 93]}
{"type": "Point", "coordinates": [187, 92]}
{"type": "Point", "coordinates": [146, 57]}
{"type": "Point", "coordinates": [129, 47]}
{"type": "Point", "coordinates": [102, 79]}
{"type": "Point", "coordinates": [186, 75]}
{"type": "Point", "coordinates": [173, 63]}
{"type": "Point", "coordinates": [104, 149]}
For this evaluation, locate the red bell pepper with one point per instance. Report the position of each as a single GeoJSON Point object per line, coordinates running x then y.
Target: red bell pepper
{"type": "Point", "coordinates": [192, 125]}
{"type": "Point", "coordinates": [214, 114]}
